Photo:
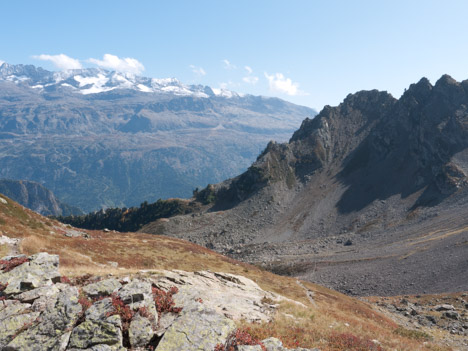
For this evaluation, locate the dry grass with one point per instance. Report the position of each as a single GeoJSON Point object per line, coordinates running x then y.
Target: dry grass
{"type": "Point", "coordinates": [312, 326]}
{"type": "Point", "coordinates": [4, 249]}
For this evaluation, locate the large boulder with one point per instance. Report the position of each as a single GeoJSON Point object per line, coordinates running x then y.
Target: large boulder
{"type": "Point", "coordinates": [53, 329]}
{"type": "Point", "coordinates": [41, 270]}
{"type": "Point", "coordinates": [197, 328]}
{"type": "Point", "coordinates": [92, 333]}
{"type": "Point", "coordinates": [140, 332]}
{"type": "Point", "coordinates": [12, 325]}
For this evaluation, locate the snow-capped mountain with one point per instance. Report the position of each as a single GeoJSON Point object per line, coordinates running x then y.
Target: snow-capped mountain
{"type": "Point", "coordinates": [96, 80]}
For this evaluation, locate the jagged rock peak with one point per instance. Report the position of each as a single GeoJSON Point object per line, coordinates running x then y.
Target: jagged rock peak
{"type": "Point", "coordinates": [446, 80]}
{"type": "Point", "coordinates": [420, 90]}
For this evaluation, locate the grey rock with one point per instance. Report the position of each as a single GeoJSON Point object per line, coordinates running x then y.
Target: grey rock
{"type": "Point", "coordinates": [444, 307]}
{"type": "Point", "coordinates": [11, 325]}
{"type": "Point", "coordinates": [115, 320]}
{"type": "Point", "coordinates": [41, 270]}
{"type": "Point", "coordinates": [31, 295]}
{"type": "Point", "coordinates": [451, 315]}
{"type": "Point", "coordinates": [91, 333]}
{"type": "Point", "coordinates": [249, 348]}
{"type": "Point", "coordinates": [11, 308]}
{"type": "Point", "coordinates": [135, 291]}
{"type": "Point", "coordinates": [140, 331]}
{"type": "Point", "coordinates": [273, 344]}
{"type": "Point", "coordinates": [100, 309]}
{"type": "Point", "coordinates": [103, 347]}
{"type": "Point", "coordinates": [196, 329]}
{"type": "Point", "coordinates": [59, 317]}
{"type": "Point", "coordinates": [102, 288]}
{"type": "Point", "coordinates": [165, 321]}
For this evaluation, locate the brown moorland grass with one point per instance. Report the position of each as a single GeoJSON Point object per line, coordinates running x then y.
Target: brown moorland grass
{"type": "Point", "coordinates": [332, 322]}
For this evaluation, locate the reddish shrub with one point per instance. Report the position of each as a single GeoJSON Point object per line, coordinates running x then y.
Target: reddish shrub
{"type": "Point", "coordinates": [2, 288]}
{"type": "Point", "coordinates": [143, 311]}
{"type": "Point", "coordinates": [124, 311]}
{"type": "Point", "coordinates": [65, 280]}
{"type": "Point", "coordinates": [348, 341]}
{"type": "Point", "coordinates": [84, 301]}
{"type": "Point", "coordinates": [239, 337]}
{"type": "Point", "coordinates": [8, 265]}
{"type": "Point", "coordinates": [164, 301]}
{"type": "Point", "coordinates": [82, 280]}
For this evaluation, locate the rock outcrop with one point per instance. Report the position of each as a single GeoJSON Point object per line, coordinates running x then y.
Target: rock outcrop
{"type": "Point", "coordinates": [170, 310]}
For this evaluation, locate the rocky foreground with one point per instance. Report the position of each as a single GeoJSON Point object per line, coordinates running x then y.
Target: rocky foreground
{"type": "Point", "coordinates": [170, 310]}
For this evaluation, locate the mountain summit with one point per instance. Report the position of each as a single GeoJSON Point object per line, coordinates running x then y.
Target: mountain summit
{"type": "Point", "coordinates": [375, 185]}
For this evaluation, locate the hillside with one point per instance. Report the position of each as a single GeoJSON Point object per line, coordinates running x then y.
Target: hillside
{"type": "Point", "coordinates": [369, 197]}
{"type": "Point", "coordinates": [322, 318]}
{"type": "Point", "coordinates": [100, 139]}
{"type": "Point", "coordinates": [36, 197]}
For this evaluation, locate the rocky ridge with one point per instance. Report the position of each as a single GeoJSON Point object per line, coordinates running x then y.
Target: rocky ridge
{"type": "Point", "coordinates": [171, 310]}
{"type": "Point", "coordinates": [363, 198]}
{"type": "Point", "coordinates": [36, 197]}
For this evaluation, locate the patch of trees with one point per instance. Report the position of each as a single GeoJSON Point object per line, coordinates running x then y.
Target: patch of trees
{"type": "Point", "coordinates": [130, 219]}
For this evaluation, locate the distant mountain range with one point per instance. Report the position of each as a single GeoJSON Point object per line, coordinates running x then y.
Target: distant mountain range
{"type": "Point", "coordinates": [101, 139]}
{"type": "Point", "coordinates": [36, 197]}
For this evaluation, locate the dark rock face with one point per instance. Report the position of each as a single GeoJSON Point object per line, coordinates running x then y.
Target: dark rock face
{"type": "Point", "coordinates": [98, 146]}
{"type": "Point", "coordinates": [36, 197]}
{"type": "Point", "coordinates": [375, 171]}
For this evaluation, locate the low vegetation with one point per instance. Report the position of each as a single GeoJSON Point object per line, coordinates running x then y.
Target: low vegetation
{"type": "Point", "coordinates": [239, 337]}
{"type": "Point", "coordinates": [331, 322]}
{"type": "Point", "coordinates": [413, 334]}
{"type": "Point", "coordinates": [8, 265]}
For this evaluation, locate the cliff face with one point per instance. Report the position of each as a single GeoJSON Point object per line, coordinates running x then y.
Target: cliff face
{"type": "Point", "coordinates": [368, 172]}
{"type": "Point", "coordinates": [36, 197]}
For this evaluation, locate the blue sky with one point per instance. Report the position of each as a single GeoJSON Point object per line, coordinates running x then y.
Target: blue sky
{"type": "Point", "coordinates": [309, 52]}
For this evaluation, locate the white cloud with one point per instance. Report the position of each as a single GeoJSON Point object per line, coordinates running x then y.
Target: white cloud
{"type": "Point", "coordinates": [115, 63]}
{"type": "Point", "coordinates": [229, 85]}
{"type": "Point", "coordinates": [199, 71]}
{"type": "Point", "coordinates": [61, 61]}
{"type": "Point", "coordinates": [250, 80]}
{"type": "Point", "coordinates": [279, 83]}
{"type": "Point", "coordinates": [2, 62]}
{"type": "Point", "coordinates": [228, 65]}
